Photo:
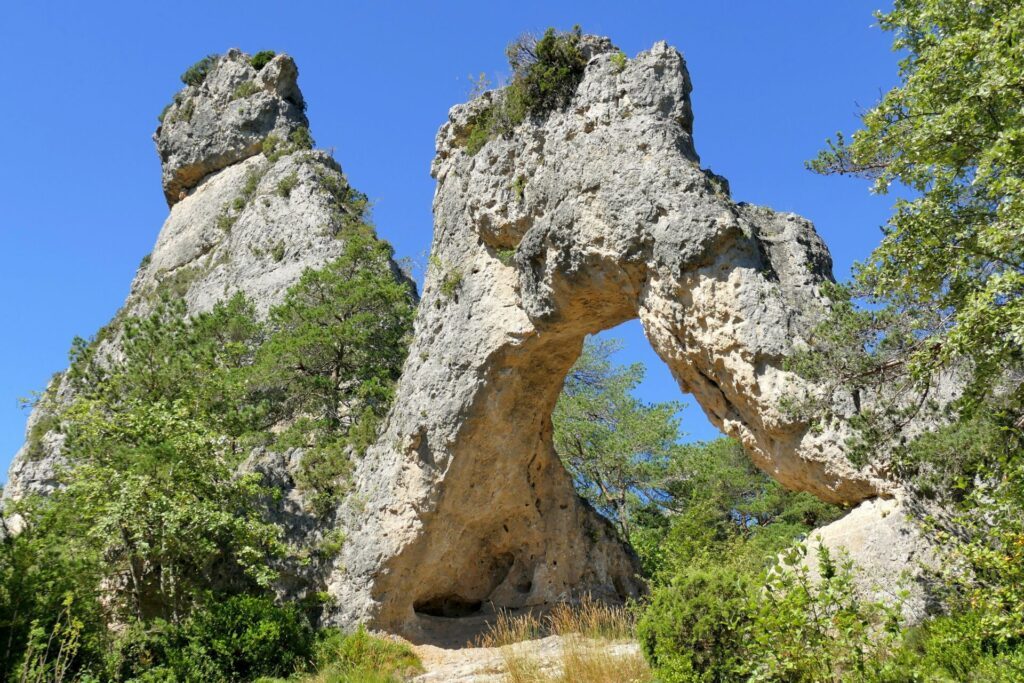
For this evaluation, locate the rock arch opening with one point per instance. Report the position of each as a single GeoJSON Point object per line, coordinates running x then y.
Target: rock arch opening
{"type": "Point", "coordinates": [463, 499]}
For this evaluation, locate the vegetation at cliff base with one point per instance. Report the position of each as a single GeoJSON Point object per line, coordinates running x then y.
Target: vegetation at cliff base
{"type": "Point", "coordinates": [157, 529]}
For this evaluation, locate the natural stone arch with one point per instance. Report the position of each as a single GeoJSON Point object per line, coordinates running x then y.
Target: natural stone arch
{"type": "Point", "coordinates": [463, 500]}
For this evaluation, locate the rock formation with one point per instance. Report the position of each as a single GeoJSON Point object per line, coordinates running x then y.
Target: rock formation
{"type": "Point", "coordinates": [591, 216]}
{"type": "Point", "coordinates": [225, 119]}
{"type": "Point", "coordinates": [896, 562]}
{"type": "Point", "coordinates": [234, 229]}
{"type": "Point", "coordinates": [595, 215]}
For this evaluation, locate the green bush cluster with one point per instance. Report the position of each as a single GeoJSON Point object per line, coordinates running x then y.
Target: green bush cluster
{"type": "Point", "coordinates": [286, 185]}
{"type": "Point", "coordinates": [619, 61]}
{"type": "Point", "coordinates": [44, 424]}
{"type": "Point", "coordinates": [451, 277]}
{"type": "Point", "coordinates": [152, 501]}
{"type": "Point", "coordinates": [261, 59]}
{"type": "Point", "coordinates": [245, 89]}
{"type": "Point", "coordinates": [278, 251]}
{"type": "Point", "coordinates": [196, 74]}
{"type": "Point", "coordinates": [696, 628]}
{"type": "Point", "coordinates": [299, 139]}
{"type": "Point", "coordinates": [545, 75]}
{"type": "Point", "coordinates": [239, 638]}
{"type": "Point", "coordinates": [725, 607]}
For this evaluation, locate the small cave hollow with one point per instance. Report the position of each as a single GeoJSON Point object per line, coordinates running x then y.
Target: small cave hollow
{"type": "Point", "coordinates": [451, 606]}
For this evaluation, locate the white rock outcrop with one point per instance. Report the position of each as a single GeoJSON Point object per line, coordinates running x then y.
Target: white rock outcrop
{"type": "Point", "coordinates": [235, 229]}
{"type": "Point", "coordinates": [591, 216]}
{"type": "Point", "coordinates": [594, 215]}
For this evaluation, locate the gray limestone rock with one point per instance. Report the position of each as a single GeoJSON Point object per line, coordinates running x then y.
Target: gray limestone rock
{"type": "Point", "coordinates": [226, 118]}
{"type": "Point", "coordinates": [578, 221]}
{"type": "Point", "coordinates": [574, 223]}
{"type": "Point", "coordinates": [895, 561]}
{"type": "Point", "coordinates": [236, 230]}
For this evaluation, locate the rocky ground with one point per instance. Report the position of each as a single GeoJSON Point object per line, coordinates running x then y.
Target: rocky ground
{"type": "Point", "coordinates": [492, 664]}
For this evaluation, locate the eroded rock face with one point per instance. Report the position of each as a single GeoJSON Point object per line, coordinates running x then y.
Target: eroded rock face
{"type": "Point", "coordinates": [236, 230]}
{"type": "Point", "coordinates": [895, 561]}
{"type": "Point", "coordinates": [593, 216]}
{"type": "Point", "coordinates": [226, 118]}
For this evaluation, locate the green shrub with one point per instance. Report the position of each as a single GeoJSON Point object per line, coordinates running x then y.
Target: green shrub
{"type": "Point", "coordinates": [45, 424]}
{"type": "Point", "coordinates": [226, 220]}
{"type": "Point", "coordinates": [241, 638]}
{"type": "Point", "coordinates": [277, 252]}
{"type": "Point", "coordinates": [252, 182]}
{"type": "Point", "coordinates": [245, 89]}
{"type": "Point", "coordinates": [619, 61]}
{"type": "Point", "coordinates": [196, 74]}
{"type": "Point", "coordinates": [301, 138]}
{"type": "Point", "coordinates": [185, 112]}
{"type": "Point", "coordinates": [948, 462]}
{"type": "Point", "coordinates": [142, 651]}
{"type": "Point", "coordinates": [451, 278]}
{"type": "Point", "coordinates": [545, 76]}
{"type": "Point", "coordinates": [695, 629]}
{"type": "Point", "coordinates": [261, 59]}
{"type": "Point", "coordinates": [325, 474]}
{"type": "Point", "coordinates": [818, 627]}
{"type": "Point", "coordinates": [271, 143]}
{"type": "Point", "coordinates": [519, 187]}
{"type": "Point", "coordinates": [547, 71]}
{"type": "Point", "coordinates": [287, 184]}
{"type": "Point", "coordinates": [954, 648]}
{"type": "Point", "coordinates": [358, 656]}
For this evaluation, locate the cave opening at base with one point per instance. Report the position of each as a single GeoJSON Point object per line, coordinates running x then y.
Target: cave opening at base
{"type": "Point", "coordinates": [448, 606]}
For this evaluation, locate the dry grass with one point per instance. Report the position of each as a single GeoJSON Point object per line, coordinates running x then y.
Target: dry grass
{"type": "Point", "coordinates": [592, 633]}
{"type": "Point", "coordinates": [508, 629]}
{"type": "Point", "coordinates": [582, 660]}
{"type": "Point", "coordinates": [588, 617]}
{"type": "Point", "coordinates": [592, 619]}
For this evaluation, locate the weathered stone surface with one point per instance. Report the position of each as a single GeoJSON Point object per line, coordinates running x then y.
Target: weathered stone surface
{"type": "Point", "coordinates": [226, 118]}
{"type": "Point", "coordinates": [463, 500]}
{"type": "Point", "coordinates": [210, 246]}
{"type": "Point", "coordinates": [594, 215]}
{"type": "Point", "coordinates": [894, 560]}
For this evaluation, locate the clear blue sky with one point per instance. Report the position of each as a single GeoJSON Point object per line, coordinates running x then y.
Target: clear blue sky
{"type": "Point", "coordinates": [80, 197]}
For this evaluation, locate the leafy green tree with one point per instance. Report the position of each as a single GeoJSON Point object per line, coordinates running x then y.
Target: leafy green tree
{"type": "Point", "coordinates": [47, 585]}
{"type": "Point", "coordinates": [158, 495]}
{"type": "Point", "coordinates": [946, 282]}
{"type": "Point", "coordinates": [616, 448]}
{"type": "Point", "coordinates": [720, 506]}
{"type": "Point", "coordinates": [203, 361]}
{"type": "Point", "coordinates": [337, 345]}
{"type": "Point", "coordinates": [679, 505]}
{"type": "Point", "coordinates": [339, 341]}
{"type": "Point", "coordinates": [950, 266]}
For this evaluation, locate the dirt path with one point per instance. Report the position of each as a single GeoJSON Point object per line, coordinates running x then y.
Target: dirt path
{"type": "Point", "coordinates": [488, 664]}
